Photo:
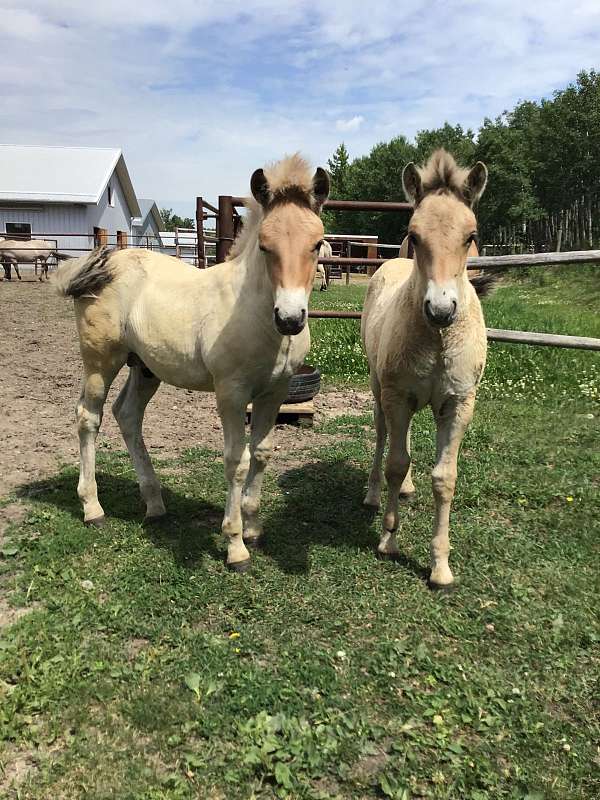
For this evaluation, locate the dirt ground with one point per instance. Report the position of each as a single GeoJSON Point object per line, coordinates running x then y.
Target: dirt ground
{"type": "Point", "coordinates": [40, 372]}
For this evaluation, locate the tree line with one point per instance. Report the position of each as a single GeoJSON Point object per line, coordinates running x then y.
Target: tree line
{"type": "Point", "coordinates": [172, 221]}
{"type": "Point", "coordinates": [544, 174]}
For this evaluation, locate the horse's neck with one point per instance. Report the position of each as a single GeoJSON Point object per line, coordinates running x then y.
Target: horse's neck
{"type": "Point", "coordinates": [253, 286]}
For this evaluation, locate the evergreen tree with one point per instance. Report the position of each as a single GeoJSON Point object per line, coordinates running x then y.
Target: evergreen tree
{"type": "Point", "coordinates": [339, 164]}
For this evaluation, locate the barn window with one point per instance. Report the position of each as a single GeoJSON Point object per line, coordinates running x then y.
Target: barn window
{"type": "Point", "coordinates": [21, 229]}
{"type": "Point", "coordinates": [111, 196]}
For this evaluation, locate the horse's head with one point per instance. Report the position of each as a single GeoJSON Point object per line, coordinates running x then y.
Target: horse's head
{"type": "Point", "coordinates": [442, 229]}
{"type": "Point", "coordinates": [290, 235]}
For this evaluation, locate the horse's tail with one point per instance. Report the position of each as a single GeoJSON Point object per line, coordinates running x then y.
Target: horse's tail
{"type": "Point", "coordinates": [85, 276]}
{"type": "Point", "coordinates": [485, 283]}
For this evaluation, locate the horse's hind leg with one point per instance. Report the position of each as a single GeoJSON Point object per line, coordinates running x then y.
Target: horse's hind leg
{"type": "Point", "coordinates": [128, 409]}
{"type": "Point", "coordinates": [373, 497]}
{"type": "Point", "coordinates": [407, 490]}
{"type": "Point", "coordinates": [96, 383]}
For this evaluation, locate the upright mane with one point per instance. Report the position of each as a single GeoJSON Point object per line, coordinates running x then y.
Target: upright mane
{"type": "Point", "coordinates": [289, 180]}
{"type": "Point", "coordinates": [293, 176]}
{"type": "Point", "coordinates": [442, 175]}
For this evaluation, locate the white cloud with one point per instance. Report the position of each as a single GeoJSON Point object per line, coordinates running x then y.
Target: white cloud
{"type": "Point", "coordinates": [351, 124]}
{"type": "Point", "coordinates": [200, 94]}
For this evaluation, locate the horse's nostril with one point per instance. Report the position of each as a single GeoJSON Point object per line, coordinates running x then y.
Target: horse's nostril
{"type": "Point", "coordinates": [303, 315]}
{"type": "Point", "coordinates": [454, 306]}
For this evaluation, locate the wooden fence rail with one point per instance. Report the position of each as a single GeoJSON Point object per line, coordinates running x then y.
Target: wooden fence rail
{"type": "Point", "coordinates": [496, 334]}
{"type": "Point", "coordinates": [491, 262]}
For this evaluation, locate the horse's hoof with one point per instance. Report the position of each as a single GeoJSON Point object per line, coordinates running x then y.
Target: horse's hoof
{"type": "Point", "coordinates": [407, 497]}
{"type": "Point", "coordinates": [441, 588]}
{"type": "Point", "coordinates": [239, 566]}
{"type": "Point", "coordinates": [97, 522]}
{"type": "Point", "coordinates": [381, 556]}
{"type": "Point", "coordinates": [255, 543]}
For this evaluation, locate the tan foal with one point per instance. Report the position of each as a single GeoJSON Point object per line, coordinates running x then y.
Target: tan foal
{"type": "Point", "coordinates": [425, 339]}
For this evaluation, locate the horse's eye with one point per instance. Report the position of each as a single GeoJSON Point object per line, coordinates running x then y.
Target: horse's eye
{"type": "Point", "coordinates": [262, 248]}
{"type": "Point", "coordinates": [472, 238]}
{"type": "Point", "coordinates": [413, 239]}
{"type": "Point", "coordinates": [317, 247]}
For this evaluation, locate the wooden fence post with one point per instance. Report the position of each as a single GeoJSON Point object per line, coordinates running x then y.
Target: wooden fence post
{"type": "Point", "coordinates": [100, 237]}
{"type": "Point", "coordinates": [225, 227]}
{"type": "Point", "coordinates": [371, 253]}
{"type": "Point", "coordinates": [200, 233]}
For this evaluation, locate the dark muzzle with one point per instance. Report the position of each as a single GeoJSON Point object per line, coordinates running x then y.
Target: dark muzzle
{"type": "Point", "coordinates": [289, 325]}
{"type": "Point", "coordinates": [439, 317]}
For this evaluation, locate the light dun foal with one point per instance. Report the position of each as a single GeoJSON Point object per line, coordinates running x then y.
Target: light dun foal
{"type": "Point", "coordinates": [425, 339]}
{"type": "Point", "coordinates": [238, 329]}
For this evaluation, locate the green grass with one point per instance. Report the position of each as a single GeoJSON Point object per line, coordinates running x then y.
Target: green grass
{"type": "Point", "coordinates": [146, 671]}
{"type": "Point", "coordinates": [558, 300]}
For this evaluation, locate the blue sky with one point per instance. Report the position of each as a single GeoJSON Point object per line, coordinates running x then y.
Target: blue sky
{"type": "Point", "coordinates": [199, 93]}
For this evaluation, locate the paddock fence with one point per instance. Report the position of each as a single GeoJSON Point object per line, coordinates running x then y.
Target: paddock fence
{"type": "Point", "coordinates": [181, 243]}
{"type": "Point", "coordinates": [228, 221]}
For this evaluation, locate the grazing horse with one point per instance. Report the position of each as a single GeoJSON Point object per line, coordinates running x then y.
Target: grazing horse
{"type": "Point", "coordinates": [325, 251]}
{"type": "Point", "coordinates": [425, 339]}
{"type": "Point", "coordinates": [238, 329]}
{"type": "Point", "coordinates": [33, 251]}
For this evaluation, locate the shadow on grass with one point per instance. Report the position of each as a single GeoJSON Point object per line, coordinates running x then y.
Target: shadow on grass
{"type": "Point", "coordinates": [322, 505]}
{"type": "Point", "coordinates": [187, 530]}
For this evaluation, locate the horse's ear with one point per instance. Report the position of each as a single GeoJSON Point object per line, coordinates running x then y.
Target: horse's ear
{"type": "Point", "coordinates": [259, 186]}
{"type": "Point", "coordinates": [321, 185]}
{"type": "Point", "coordinates": [475, 183]}
{"type": "Point", "coordinates": [412, 183]}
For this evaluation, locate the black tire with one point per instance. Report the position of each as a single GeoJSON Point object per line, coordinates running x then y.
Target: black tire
{"type": "Point", "coordinates": [304, 385]}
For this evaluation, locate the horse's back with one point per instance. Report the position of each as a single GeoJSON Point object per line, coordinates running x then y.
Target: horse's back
{"type": "Point", "coordinates": [26, 250]}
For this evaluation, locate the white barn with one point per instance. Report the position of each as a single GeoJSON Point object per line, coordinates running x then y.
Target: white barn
{"type": "Point", "coordinates": [77, 196]}
{"type": "Point", "coordinates": [146, 228]}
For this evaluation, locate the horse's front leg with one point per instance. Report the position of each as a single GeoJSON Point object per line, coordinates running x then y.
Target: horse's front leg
{"type": "Point", "coordinates": [237, 459]}
{"type": "Point", "coordinates": [398, 411]}
{"type": "Point", "coordinates": [264, 415]}
{"type": "Point", "coordinates": [452, 420]}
